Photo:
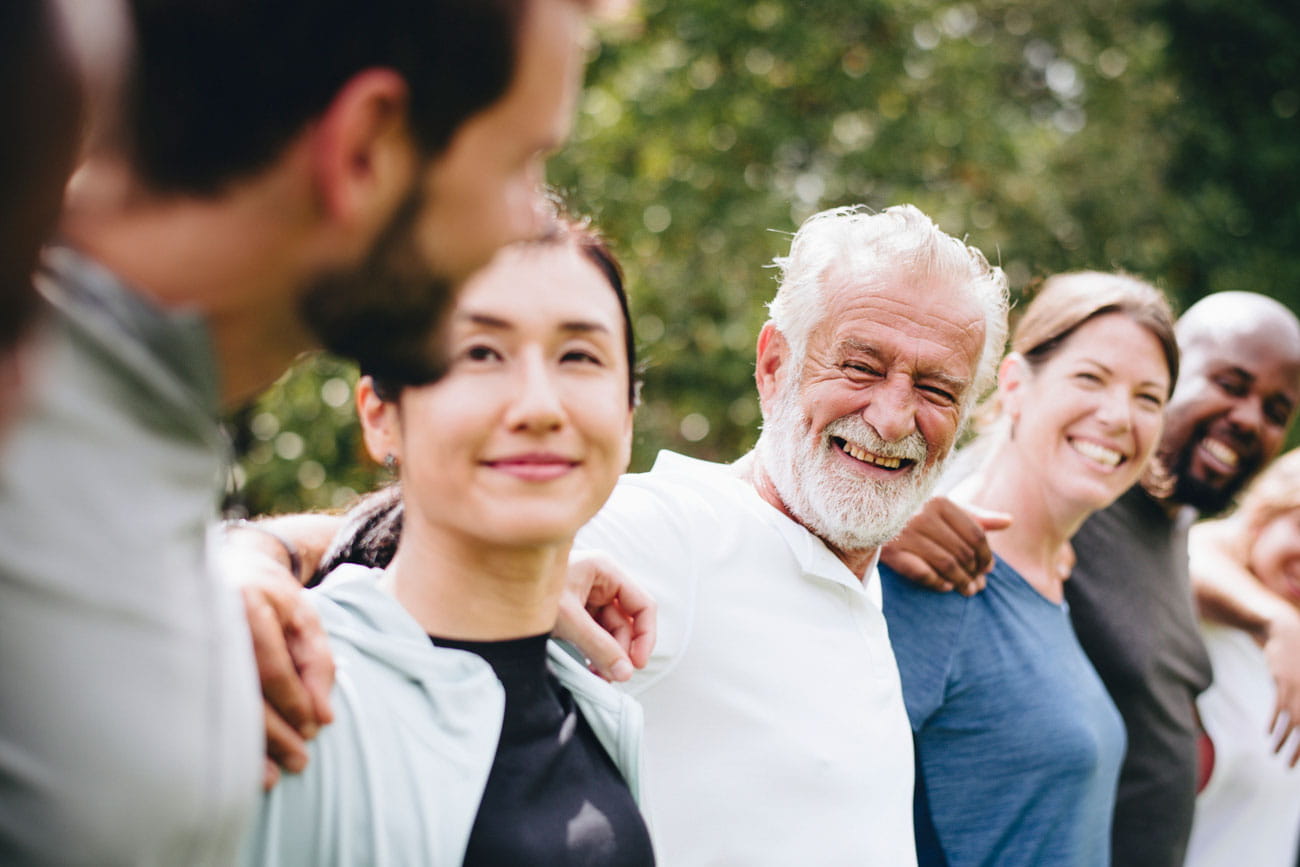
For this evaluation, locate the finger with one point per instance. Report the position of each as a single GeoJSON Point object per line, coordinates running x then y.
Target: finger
{"type": "Point", "coordinates": [642, 613]}
{"type": "Point", "coordinates": [1281, 728]}
{"type": "Point", "coordinates": [951, 559]}
{"type": "Point", "coordinates": [963, 533]}
{"type": "Point", "coordinates": [579, 628]}
{"type": "Point", "coordinates": [284, 745]}
{"type": "Point", "coordinates": [270, 774]}
{"type": "Point", "coordinates": [645, 631]}
{"type": "Point", "coordinates": [281, 685]}
{"type": "Point", "coordinates": [989, 519]}
{"type": "Point", "coordinates": [975, 585]}
{"type": "Point", "coordinates": [313, 660]}
{"type": "Point", "coordinates": [276, 617]}
{"type": "Point", "coordinates": [612, 619]}
{"type": "Point", "coordinates": [916, 570]}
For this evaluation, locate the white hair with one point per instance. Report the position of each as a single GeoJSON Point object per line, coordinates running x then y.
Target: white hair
{"type": "Point", "coordinates": [866, 248]}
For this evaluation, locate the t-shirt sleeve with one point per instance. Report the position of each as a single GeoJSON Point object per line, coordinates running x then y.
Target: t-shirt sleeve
{"type": "Point", "coordinates": [925, 630]}
{"type": "Point", "coordinates": [650, 531]}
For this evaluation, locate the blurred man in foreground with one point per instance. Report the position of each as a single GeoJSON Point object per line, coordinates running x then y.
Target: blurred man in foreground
{"type": "Point", "coordinates": [289, 174]}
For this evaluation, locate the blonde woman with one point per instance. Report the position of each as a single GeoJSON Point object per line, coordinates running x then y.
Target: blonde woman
{"type": "Point", "coordinates": [1249, 809]}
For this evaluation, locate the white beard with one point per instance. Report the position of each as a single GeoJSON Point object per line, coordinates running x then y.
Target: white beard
{"type": "Point", "coordinates": [845, 510]}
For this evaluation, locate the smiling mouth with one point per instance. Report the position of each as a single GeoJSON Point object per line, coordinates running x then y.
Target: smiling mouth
{"type": "Point", "coordinates": [1098, 453]}
{"type": "Point", "coordinates": [1221, 453]}
{"type": "Point", "coordinates": [866, 457]}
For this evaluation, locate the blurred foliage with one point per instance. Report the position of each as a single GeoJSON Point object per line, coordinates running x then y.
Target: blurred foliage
{"type": "Point", "coordinates": [1157, 137]}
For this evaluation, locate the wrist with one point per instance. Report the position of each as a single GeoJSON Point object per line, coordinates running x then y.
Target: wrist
{"type": "Point", "coordinates": [271, 543]}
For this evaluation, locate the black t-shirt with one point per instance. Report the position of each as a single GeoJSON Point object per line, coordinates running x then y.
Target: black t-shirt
{"type": "Point", "coordinates": [1131, 605]}
{"type": "Point", "coordinates": [554, 796]}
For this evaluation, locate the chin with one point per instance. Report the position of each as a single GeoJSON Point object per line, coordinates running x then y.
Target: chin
{"type": "Point", "coordinates": [531, 528]}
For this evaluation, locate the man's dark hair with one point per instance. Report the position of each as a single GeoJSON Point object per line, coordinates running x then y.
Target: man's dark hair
{"type": "Point", "coordinates": [40, 107]}
{"type": "Point", "coordinates": [220, 87]}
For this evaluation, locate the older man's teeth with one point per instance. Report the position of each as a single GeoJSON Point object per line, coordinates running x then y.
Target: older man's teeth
{"type": "Point", "coordinates": [1097, 452]}
{"type": "Point", "coordinates": [1221, 453]}
{"type": "Point", "coordinates": [868, 458]}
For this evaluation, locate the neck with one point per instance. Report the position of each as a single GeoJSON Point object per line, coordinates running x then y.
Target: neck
{"type": "Point", "coordinates": [1037, 544]}
{"type": "Point", "coordinates": [750, 468]}
{"type": "Point", "coordinates": [232, 258]}
{"type": "Point", "coordinates": [464, 589]}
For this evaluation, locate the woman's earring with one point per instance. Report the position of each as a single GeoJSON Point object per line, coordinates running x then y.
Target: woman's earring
{"type": "Point", "coordinates": [390, 463]}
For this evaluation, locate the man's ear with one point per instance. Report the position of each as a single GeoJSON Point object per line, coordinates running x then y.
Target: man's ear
{"type": "Point", "coordinates": [363, 155]}
{"type": "Point", "coordinates": [773, 357]}
{"type": "Point", "coordinates": [380, 422]}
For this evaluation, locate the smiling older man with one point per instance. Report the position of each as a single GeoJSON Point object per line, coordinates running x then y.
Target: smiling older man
{"type": "Point", "coordinates": [775, 727]}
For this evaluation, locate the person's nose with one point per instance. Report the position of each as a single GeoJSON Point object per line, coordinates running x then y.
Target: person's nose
{"type": "Point", "coordinates": [892, 409]}
{"type": "Point", "coordinates": [1115, 408]}
{"type": "Point", "coordinates": [535, 405]}
{"type": "Point", "coordinates": [1247, 416]}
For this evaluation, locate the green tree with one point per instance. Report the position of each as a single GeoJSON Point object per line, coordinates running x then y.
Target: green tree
{"type": "Point", "coordinates": [1052, 136]}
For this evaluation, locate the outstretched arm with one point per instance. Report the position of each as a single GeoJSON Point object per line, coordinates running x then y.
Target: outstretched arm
{"type": "Point", "coordinates": [268, 561]}
{"type": "Point", "coordinates": [607, 617]}
{"type": "Point", "coordinates": [944, 546]}
{"type": "Point", "coordinates": [1228, 592]}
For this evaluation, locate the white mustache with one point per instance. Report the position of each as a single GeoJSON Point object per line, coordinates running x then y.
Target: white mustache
{"type": "Point", "coordinates": [856, 431]}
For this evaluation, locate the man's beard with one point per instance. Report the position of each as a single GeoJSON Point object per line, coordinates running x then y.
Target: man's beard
{"type": "Point", "coordinates": [1206, 499]}
{"type": "Point", "coordinates": [383, 312]}
{"type": "Point", "coordinates": [841, 507]}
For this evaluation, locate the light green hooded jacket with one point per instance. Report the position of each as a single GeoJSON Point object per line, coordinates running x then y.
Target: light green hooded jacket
{"type": "Point", "coordinates": [397, 778]}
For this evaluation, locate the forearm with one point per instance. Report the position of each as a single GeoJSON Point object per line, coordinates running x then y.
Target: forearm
{"type": "Point", "coordinates": [310, 533]}
{"type": "Point", "coordinates": [1226, 590]}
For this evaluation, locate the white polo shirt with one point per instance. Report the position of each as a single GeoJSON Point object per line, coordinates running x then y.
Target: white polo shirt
{"type": "Point", "coordinates": [775, 731]}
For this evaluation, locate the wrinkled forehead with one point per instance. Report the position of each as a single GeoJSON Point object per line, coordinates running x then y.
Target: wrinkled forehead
{"type": "Point", "coordinates": [931, 315]}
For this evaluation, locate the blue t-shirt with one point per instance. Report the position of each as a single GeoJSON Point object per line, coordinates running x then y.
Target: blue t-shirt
{"type": "Point", "coordinates": [1018, 744]}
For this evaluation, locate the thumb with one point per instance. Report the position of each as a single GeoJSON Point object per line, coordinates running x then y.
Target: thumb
{"type": "Point", "coordinates": [989, 519]}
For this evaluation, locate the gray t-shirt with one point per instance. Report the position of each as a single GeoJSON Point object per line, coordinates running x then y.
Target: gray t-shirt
{"type": "Point", "coordinates": [130, 725]}
{"type": "Point", "coordinates": [1131, 604]}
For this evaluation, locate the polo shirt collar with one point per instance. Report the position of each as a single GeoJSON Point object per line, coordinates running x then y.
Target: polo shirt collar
{"type": "Point", "coordinates": [815, 559]}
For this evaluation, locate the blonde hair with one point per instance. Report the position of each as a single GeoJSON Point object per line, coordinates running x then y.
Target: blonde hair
{"type": "Point", "coordinates": [1066, 301]}
{"type": "Point", "coordinates": [1275, 492]}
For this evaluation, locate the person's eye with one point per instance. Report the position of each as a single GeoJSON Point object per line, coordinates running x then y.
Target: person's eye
{"type": "Point", "coordinates": [1279, 413]}
{"type": "Point", "coordinates": [1088, 377]}
{"type": "Point", "coordinates": [1231, 385]}
{"type": "Point", "coordinates": [1153, 401]}
{"type": "Point", "coordinates": [480, 352]}
{"type": "Point", "coordinates": [939, 395]}
{"type": "Point", "coordinates": [581, 356]}
{"type": "Point", "coordinates": [859, 368]}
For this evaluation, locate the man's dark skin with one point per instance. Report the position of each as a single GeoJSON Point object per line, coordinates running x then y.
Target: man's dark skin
{"type": "Point", "coordinates": [1237, 394]}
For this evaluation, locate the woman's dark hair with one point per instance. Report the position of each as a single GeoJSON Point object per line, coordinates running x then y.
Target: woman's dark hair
{"type": "Point", "coordinates": [566, 232]}
{"type": "Point", "coordinates": [369, 536]}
